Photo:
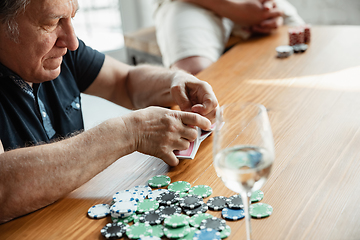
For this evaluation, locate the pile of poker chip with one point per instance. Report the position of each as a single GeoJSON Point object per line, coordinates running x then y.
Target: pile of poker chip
{"type": "Point", "coordinates": [299, 37]}
{"type": "Point", "coordinates": [179, 212]}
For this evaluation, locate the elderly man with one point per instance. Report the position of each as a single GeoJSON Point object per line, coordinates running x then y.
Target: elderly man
{"type": "Point", "coordinates": [44, 153]}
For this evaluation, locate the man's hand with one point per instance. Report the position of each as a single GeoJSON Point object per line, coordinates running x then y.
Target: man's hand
{"type": "Point", "coordinates": [268, 25]}
{"type": "Point", "coordinates": [194, 95]}
{"type": "Point", "coordinates": [250, 12]}
{"type": "Point", "coordinates": [159, 131]}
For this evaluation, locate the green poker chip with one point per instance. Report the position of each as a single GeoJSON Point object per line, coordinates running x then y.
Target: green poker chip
{"type": "Point", "coordinates": [123, 220]}
{"type": "Point", "coordinates": [137, 217]}
{"type": "Point", "coordinates": [190, 235]}
{"type": "Point", "coordinates": [159, 181]}
{"type": "Point", "coordinates": [157, 231]}
{"type": "Point", "coordinates": [260, 210]}
{"type": "Point", "coordinates": [147, 205]}
{"type": "Point", "coordinates": [257, 196]}
{"type": "Point", "coordinates": [201, 190]}
{"type": "Point", "coordinates": [177, 220]}
{"type": "Point", "coordinates": [179, 232]}
{"type": "Point", "coordinates": [226, 232]}
{"type": "Point", "coordinates": [179, 186]}
{"type": "Point", "coordinates": [139, 230]}
{"type": "Point", "coordinates": [197, 219]}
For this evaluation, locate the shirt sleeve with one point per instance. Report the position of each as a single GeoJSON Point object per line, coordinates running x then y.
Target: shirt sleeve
{"type": "Point", "coordinates": [86, 65]}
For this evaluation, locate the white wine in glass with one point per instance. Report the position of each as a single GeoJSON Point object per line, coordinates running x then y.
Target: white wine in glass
{"type": "Point", "coordinates": [243, 150]}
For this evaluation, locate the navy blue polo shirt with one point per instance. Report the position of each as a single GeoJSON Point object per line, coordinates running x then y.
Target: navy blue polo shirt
{"type": "Point", "coordinates": [49, 110]}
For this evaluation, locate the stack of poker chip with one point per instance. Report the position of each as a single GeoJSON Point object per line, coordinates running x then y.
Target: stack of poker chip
{"type": "Point", "coordinates": [307, 34]}
{"type": "Point", "coordinates": [176, 212]}
{"type": "Point", "coordinates": [125, 203]}
{"type": "Point", "coordinates": [177, 226]}
{"type": "Point", "coordinates": [284, 51]}
{"type": "Point", "coordinates": [123, 209]}
{"type": "Point", "coordinates": [299, 34]}
{"type": "Point", "coordinates": [193, 204]}
{"type": "Point", "coordinates": [296, 36]}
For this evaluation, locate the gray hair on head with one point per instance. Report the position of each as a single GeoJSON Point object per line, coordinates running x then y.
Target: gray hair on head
{"type": "Point", "coordinates": [9, 9]}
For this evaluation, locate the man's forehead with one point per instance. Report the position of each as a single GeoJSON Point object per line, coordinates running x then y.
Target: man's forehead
{"type": "Point", "coordinates": [54, 8]}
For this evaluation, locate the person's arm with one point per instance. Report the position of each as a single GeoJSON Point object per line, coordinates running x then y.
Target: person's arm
{"type": "Point", "coordinates": [243, 12]}
{"type": "Point", "coordinates": [143, 86]}
{"type": "Point", "coordinates": [33, 177]}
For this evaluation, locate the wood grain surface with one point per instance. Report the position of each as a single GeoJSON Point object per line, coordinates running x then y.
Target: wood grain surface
{"type": "Point", "coordinates": [313, 101]}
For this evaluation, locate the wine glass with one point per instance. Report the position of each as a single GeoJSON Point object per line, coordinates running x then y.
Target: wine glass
{"type": "Point", "coordinates": [243, 150]}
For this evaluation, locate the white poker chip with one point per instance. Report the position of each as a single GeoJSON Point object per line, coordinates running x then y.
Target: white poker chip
{"type": "Point", "coordinates": [155, 193]}
{"type": "Point", "coordinates": [123, 209]}
{"type": "Point", "coordinates": [284, 51]}
{"type": "Point", "coordinates": [99, 211]}
{"type": "Point", "coordinates": [144, 189]}
{"type": "Point", "coordinates": [120, 215]}
{"type": "Point", "coordinates": [126, 196]}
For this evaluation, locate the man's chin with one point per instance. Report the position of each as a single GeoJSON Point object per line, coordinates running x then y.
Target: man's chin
{"type": "Point", "coordinates": [46, 75]}
{"type": "Point", "coordinates": [51, 74]}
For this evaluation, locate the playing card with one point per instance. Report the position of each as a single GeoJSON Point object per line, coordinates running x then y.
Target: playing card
{"type": "Point", "coordinates": [194, 146]}
{"type": "Point", "coordinates": [192, 150]}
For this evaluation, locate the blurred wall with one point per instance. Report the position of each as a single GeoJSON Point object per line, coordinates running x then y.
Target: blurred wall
{"type": "Point", "coordinates": [329, 12]}
{"type": "Point", "coordinates": [136, 14]}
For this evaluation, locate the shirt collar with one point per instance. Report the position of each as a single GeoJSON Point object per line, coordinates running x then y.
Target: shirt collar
{"type": "Point", "coordinates": [25, 87]}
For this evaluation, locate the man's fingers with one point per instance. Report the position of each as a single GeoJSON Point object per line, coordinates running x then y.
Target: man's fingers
{"type": "Point", "coordinates": [272, 23]}
{"type": "Point", "coordinates": [268, 5]}
{"type": "Point", "coordinates": [211, 116]}
{"type": "Point", "coordinates": [273, 13]}
{"type": "Point", "coordinates": [209, 104]}
{"type": "Point", "coordinates": [189, 134]}
{"type": "Point", "coordinates": [181, 98]}
{"type": "Point", "coordinates": [261, 30]}
{"type": "Point", "coordinates": [195, 119]}
{"type": "Point", "coordinates": [170, 159]}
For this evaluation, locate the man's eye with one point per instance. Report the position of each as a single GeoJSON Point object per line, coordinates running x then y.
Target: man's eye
{"type": "Point", "coordinates": [53, 24]}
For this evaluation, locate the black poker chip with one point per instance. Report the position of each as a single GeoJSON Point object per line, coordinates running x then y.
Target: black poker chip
{"type": "Point", "coordinates": [213, 223]}
{"type": "Point", "coordinates": [152, 217]}
{"type": "Point", "coordinates": [299, 48]}
{"type": "Point", "coordinates": [201, 209]}
{"type": "Point", "coordinates": [191, 201]}
{"type": "Point", "coordinates": [235, 202]}
{"type": "Point", "coordinates": [168, 198]}
{"type": "Point", "coordinates": [113, 230]}
{"type": "Point", "coordinates": [166, 211]}
{"type": "Point", "coordinates": [217, 203]}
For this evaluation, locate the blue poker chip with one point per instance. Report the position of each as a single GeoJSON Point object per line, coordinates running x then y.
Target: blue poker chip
{"type": "Point", "coordinates": [233, 214]}
{"type": "Point", "coordinates": [207, 234]}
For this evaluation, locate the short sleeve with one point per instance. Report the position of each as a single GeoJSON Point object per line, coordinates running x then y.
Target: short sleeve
{"type": "Point", "coordinates": [85, 63]}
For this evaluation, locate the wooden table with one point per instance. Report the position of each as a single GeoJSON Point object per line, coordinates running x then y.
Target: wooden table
{"type": "Point", "coordinates": [314, 108]}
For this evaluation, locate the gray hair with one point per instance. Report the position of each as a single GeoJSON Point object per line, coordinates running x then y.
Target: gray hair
{"type": "Point", "coordinates": [9, 9]}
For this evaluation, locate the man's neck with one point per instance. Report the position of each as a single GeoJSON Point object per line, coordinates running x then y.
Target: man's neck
{"type": "Point", "coordinates": [30, 84]}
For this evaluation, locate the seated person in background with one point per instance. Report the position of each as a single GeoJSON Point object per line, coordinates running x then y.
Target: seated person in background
{"type": "Point", "coordinates": [192, 34]}
{"type": "Point", "coordinates": [44, 152]}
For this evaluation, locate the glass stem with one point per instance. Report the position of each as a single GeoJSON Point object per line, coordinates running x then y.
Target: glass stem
{"type": "Point", "coordinates": [245, 196]}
